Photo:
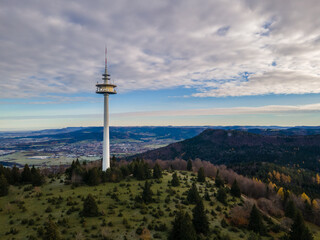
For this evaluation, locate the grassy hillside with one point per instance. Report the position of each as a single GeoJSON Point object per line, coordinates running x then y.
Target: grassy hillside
{"type": "Point", "coordinates": [26, 209]}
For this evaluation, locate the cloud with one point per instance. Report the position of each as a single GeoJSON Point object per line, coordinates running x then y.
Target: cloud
{"type": "Point", "coordinates": [56, 47]}
{"type": "Point", "coordinates": [51, 99]}
{"type": "Point", "coordinates": [269, 109]}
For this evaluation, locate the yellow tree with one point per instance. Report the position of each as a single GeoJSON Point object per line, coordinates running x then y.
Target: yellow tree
{"type": "Point", "coordinates": [277, 175]}
{"type": "Point", "coordinates": [318, 178]}
{"type": "Point", "coordinates": [272, 185]}
{"type": "Point", "coordinates": [281, 193]}
{"type": "Point", "coordinates": [304, 197]}
{"type": "Point", "coordinates": [315, 204]}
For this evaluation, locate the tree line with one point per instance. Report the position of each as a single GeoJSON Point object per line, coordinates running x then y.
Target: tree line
{"type": "Point", "coordinates": [15, 176]}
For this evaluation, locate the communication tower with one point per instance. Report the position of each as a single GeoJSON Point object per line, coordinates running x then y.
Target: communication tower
{"type": "Point", "coordinates": [106, 88]}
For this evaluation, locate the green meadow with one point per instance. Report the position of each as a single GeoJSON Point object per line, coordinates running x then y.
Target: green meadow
{"type": "Point", "coordinates": [25, 210]}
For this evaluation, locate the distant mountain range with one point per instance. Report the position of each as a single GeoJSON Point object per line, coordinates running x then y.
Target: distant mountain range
{"type": "Point", "coordinates": [177, 133]}
{"type": "Point", "coordinates": [219, 146]}
{"type": "Point", "coordinates": [96, 133]}
{"type": "Point", "coordinates": [222, 145]}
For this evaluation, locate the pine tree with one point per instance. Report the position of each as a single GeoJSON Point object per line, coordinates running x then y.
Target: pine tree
{"type": "Point", "coordinates": [157, 172]}
{"type": "Point", "coordinates": [235, 190]}
{"type": "Point", "coordinates": [193, 194]}
{"type": "Point", "coordinates": [175, 180]}
{"type": "Point", "coordinates": [218, 181]}
{"type": "Point", "coordinates": [308, 209]}
{"type": "Point", "coordinates": [182, 228]}
{"type": "Point", "coordinates": [16, 176]}
{"type": "Point", "coordinates": [201, 175]}
{"type": "Point", "coordinates": [113, 161]}
{"type": "Point", "coordinates": [141, 170]}
{"type": "Point", "coordinates": [147, 171]}
{"type": "Point", "coordinates": [90, 207]}
{"type": "Point", "coordinates": [222, 195]}
{"type": "Point", "coordinates": [255, 221]}
{"type": "Point", "coordinates": [51, 231]}
{"type": "Point", "coordinates": [26, 176]}
{"type": "Point", "coordinates": [4, 186]}
{"type": "Point", "coordinates": [77, 163]}
{"type": "Point", "coordinates": [138, 171]}
{"type": "Point", "coordinates": [299, 231]}
{"type": "Point", "coordinates": [93, 177]}
{"type": "Point", "coordinates": [189, 165]}
{"type": "Point", "coordinates": [147, 193]}
{"type": "Point", "coordinates": [74, 169]}
{"type": "Point", "coordinates": [37, 178]}
{"type": "Point", "coordinates": [290, 210]}
{"type": "Point", "coordinates": [200, 219]}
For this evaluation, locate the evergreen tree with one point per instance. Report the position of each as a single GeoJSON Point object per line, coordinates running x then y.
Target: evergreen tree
{"type": "Point", "coordinates": [201, 175]}
{"type": "Point", "coordinates": [68, 171]}
{"type": "Point", "coordinates": [75, 168]}
{"type": "Point", "coordinates": [4, 186]}
{"type": "Point", "coordinates": [125, 170]}
{"type": "Point", "coordinates": [286, 195]}
{"type": "Point", "coordinates": [90, 207]}
{"type": "Point", "coordinates": [141, 170]}
{"type": "Point", "coordinates": [235, 190]}
{"type": "Point", "coordinates": [175, 180]}
{"type": "Point", "coordinates": [51, 231]}
{"type": "Point", "coordinates": [26, 176]}
{"type": "Point", "coordinates": [113, 161]}
{"type": "Point", "coordinates": [255, 221]}
{"type": "Point", "coordinates": [16, 176]}
{"type": "Point", "coordinates": [182, 228]}
{"type": "Point", "coordinates": [37, 178]}
{"type": "Point", "coordinates": [77, 163]}
{"type": "Point", "coordinates": [207, 196]}
{"type": "Point", "coordinates": [2, 169]}
{"type": "Point", "coordinates": [189, 165]}
{"type": "Point", "coordinates": [308, 210]}
{"type": "Point", "coordinates": [193, 194]}
{"type": "Point", "coordinates": [93, 177]}
{"type": "Point", "coordinates": [147, 171]}
{"type": "Point", "coordinates": [157, 172]}
{"type": "Point", "coordinates": [299, 231]}
{"type": "Point", "coordinates": [222, 195]}
{"type": "Point", "coordinates": [138, 171]}
{"type": "Point", "coordinates": [290, 210]}
{"type": "Point", "coordinates": [200, 220]}
{"type": "Point", "coordinates": [218, 181]}
{"type": "Point", "coordinates": [147, 193]}
{"type": "Point", "coordinates": [111, 175]}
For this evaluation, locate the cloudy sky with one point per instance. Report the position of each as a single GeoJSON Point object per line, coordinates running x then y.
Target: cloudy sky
{"type": "Point", "coordinates": [215, 62]}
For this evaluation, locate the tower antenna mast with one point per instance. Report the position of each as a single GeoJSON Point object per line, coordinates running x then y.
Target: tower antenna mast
{"type": "Point", "coordinates": [106, 88]}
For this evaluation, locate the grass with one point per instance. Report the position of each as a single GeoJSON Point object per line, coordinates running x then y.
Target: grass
{"type": "Point", "coordinates": [23, 157]}
{"type": "Point", "coordinates": [111, 224]}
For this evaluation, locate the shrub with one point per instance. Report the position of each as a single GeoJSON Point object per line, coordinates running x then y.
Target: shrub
{"type": "Point", "coordinates": [175, 180]}
{"type": "Point", "coordinates": [90, 208]}
{"type": "Point", "coordinates": [201, 175]}
{"type": "Point", "coordinates": [222, 195]}
{"type": "Point", "coordinates": [4, 186]}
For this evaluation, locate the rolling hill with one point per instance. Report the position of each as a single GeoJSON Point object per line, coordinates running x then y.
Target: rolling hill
{"type": "Point", "coordinates": [233, 146]}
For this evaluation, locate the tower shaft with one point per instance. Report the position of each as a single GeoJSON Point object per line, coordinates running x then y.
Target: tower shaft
{"type": "Point", "coordinates": [106, 144]}
{"type": "Point", "coordinates": [106, 88]}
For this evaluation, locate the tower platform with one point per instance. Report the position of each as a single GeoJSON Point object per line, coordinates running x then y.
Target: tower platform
{"type": "Point", "coordinates": [103, 88]}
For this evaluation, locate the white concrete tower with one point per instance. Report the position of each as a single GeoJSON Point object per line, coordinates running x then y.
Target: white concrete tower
{"type": "Point", "coordinates": [106, 88]}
